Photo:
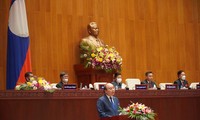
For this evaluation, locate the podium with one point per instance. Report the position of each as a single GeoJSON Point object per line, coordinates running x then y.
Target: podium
{"type": "Point", "coordinates": [121, 117]}
{"type": "Point", "coordinates": [90, 75]}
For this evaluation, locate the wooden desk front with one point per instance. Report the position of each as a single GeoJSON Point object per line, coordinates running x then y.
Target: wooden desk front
{"type": "Point", "coordinates": [81, 104]}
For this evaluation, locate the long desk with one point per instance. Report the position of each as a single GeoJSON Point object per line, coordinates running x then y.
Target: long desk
{"type": "Point", "coordinates": [81, 104]}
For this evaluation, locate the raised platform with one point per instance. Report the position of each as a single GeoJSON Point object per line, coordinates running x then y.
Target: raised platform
{"type": "Point", "coordinates": [81, 104]}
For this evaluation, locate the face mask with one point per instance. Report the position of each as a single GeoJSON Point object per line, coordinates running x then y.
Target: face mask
{"type": "Point", "coordinates": [183, 77]}
{"type": "Point", "coordinates": [119, 80]}
{"type": "Point", "coordinates": [65, 80]}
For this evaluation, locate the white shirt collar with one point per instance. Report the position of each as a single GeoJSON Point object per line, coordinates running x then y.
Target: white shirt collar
{"type": "Point", "coordinates": [109, 97]}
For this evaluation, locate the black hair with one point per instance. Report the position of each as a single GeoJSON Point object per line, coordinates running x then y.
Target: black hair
{"type": "Point", "coordinates": [62, 74]}
{"type": "Point", "coordinates": [27, 74]}
{"type": "Point", "coordinates": [179, 72]}
{"type": "Point", "coordinates": [104, 88]}
{"type": "Point", "coordinates": [116, 74]}
{"type": "Point", "coordinates": [147, 73]}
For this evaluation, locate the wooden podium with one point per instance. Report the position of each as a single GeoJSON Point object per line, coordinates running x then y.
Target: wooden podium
{"type": "Point", "coordinates": [89, 75]}
{"type": "Point", "coordinates": [121, 117]}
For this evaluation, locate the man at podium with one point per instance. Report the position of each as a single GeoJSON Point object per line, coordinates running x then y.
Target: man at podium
{"type": "Point", "coordinates": [108, 104]}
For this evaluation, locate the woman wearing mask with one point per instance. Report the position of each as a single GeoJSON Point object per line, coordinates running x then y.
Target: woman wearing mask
{"type": "Point", "coordinates": [63, 80]}
{"type": "Point", "coordinates": [181, 82]}
{"type": "Point", "coordinates": [117, 82]}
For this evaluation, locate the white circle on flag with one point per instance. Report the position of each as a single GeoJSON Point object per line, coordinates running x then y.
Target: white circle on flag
{"type": "Point", "coordinates": [18, 19]}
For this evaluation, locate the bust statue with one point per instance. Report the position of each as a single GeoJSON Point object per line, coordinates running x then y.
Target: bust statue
{"type": "Point", "coordinates": [92, 41]}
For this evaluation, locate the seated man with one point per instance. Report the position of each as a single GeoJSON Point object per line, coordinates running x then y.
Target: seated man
{"type": "Point", "coordinates": [107, 105]}
{"type": "Point", "coordinates": [149, 81]}
{"type": "Point", "coordinates": [63, 80]}
{"type": "Point", "coordinates": [117, 82]}
{"type": "Point", "coordinates": [181, 82]}
{"type": "Point", "coordinates": [28, 76]}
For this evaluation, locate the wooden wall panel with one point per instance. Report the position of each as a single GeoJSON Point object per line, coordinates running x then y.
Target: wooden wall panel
{"type": "Point", "coordinates": [158, 35]}
{"type": "Point", "coordinates": [4, 6]}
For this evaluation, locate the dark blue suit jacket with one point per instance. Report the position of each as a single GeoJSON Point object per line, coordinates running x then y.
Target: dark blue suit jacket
{"type": "Point", "coordinates": [117, 84]}
{"type": "Point", "coordinates": [148, 85]}
{"type": "Point", "coordinates": [105, 109]}
{"type": "Point", "coordinates": [178, 82]}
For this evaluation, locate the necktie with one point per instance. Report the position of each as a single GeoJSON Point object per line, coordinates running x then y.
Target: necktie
{"type": "Point", "coordinates": [182, 83]}
{"type": "Point", "coordinates": [112, 103]}
{"type": "Point", "coordinates": [150, 86]}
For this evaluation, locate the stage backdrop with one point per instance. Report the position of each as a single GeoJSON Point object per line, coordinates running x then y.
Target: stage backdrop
{"type": "Point", "coordinates": [158, 35]}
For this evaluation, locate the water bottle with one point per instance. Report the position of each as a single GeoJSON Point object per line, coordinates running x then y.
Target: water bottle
{"type": "Point", "coordinates": [116, 87]}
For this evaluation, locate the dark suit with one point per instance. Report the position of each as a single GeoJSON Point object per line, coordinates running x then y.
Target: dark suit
{"type": "Point", "coordinates": [119, 85]}
{"type": "Point", "coordinates": [59, 85]}
{"type": "Point", "coordinates": [180, 84]}
{"type": "Point", "coordinates": [104, 107]}
{"type": "Point", "coordinates": [149, 84]}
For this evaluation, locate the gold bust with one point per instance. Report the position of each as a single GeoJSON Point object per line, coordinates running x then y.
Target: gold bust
{"type": "Point", "coordinates": [92, 41]}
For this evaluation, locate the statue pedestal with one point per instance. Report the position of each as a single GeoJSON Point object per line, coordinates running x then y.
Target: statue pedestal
{"type": "Point", "coordinates": [89, 75]}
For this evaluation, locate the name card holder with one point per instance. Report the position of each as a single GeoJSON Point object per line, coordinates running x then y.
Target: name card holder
{"type": "Point", "coordinates": [141, 87]}
{"type": "Point", "coordinates": [70, 87]}
{"type": "Point", "coordinates": [101, 86]}
{"type": "Point", "coordinates": [198, 86]}
{"type": "Point", "coordinates": [170, 87]}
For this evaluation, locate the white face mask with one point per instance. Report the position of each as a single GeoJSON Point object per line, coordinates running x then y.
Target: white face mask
{"type": "Point", "coordinates": [119, 80]}
{"type": "Point", "coordinates": [183, 77]}
{"type": "Point", "coordinates": [65, 80]}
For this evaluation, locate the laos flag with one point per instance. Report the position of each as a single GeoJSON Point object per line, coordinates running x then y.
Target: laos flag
{"type": "Point", "coordinates": [18, 50]}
